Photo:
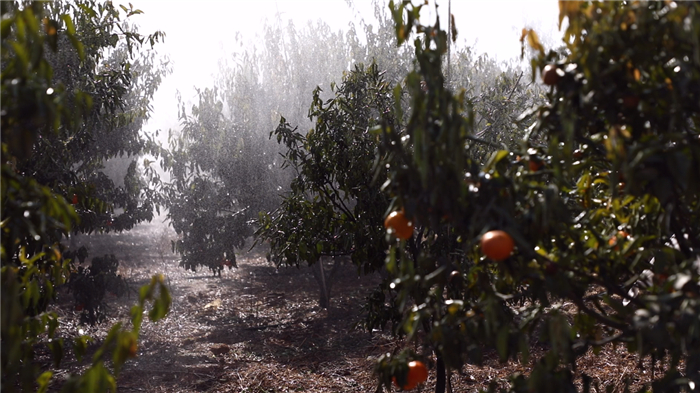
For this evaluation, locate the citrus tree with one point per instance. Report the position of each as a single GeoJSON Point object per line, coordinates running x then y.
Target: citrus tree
{"type": "Point", "coordinates": [334, 207]}
{"type": "Point", "coordinates": [52, 123]}
{"type": "Point", "coordinates": [333, 204]}
{"type": "Point", "coordinates": [597, 207]}
{"type": "Point", "coordinates": [222, 175]}
{"type": "Point", "coordinates": [224, 168]}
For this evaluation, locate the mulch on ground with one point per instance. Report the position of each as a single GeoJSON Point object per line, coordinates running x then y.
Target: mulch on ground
{"type": "Point", "coordinates": [259, 329]}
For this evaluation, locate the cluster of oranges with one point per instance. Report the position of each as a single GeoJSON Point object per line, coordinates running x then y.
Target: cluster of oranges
{"type": "Point", "coordinates": [496, 245]}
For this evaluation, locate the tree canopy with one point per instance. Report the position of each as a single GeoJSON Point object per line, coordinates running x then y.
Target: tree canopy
{"type": "Point", "coordinates": [598, 203]}
{"type": "Point", "coordinates": [74, 93]}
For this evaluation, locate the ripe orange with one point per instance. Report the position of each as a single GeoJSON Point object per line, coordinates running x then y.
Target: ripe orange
{"type": "Point", "coordinates": [79, 307]}
{"type": "Point", "coordinates": [497, 245]}
{"type": "Point", "coordinates": [550, 268]}
{"type": "Point", "coordinates": [75, 199]}
{"type": "Point", "coordinates": [133, 347]}
{"type": "Point", "coordinates": [550, 77]}
{"type": "Point", "coordinates": [534, 165]}
{"type": "Point", "coordinates": [630, 101]}
{"type": "Point", "coordinates": [613, 239]}
{"type": "Point", "coordinates": [399, 224]}
{"type": "Point", "coordinates": [417, 373]}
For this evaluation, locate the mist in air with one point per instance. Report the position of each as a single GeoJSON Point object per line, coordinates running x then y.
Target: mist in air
{"type": "Point", "coordinates": [237, 70]}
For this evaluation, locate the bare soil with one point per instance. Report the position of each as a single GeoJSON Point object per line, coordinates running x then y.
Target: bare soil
{"type": "Point", "coordinates": [259, 329]}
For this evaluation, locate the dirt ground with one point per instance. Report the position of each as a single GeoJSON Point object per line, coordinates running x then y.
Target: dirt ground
{"type": "Point", "coordinates": [259, 329]}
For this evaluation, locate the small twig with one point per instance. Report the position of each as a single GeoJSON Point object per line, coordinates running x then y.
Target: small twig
{"type": "Point", "coordinates": [516, 85]}
{"type": "Point", "coordinates": [478, 140]}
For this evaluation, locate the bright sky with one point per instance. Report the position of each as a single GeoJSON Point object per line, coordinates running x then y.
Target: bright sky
{"type": "Point", "coordinates": [199, 33]}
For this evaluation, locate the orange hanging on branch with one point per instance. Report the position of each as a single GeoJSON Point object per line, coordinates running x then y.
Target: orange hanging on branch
{"type": "Point", "coordinates": [417, 373]}
{"type": "Point", "coordinates": [497, 245]}
{"type": "Point", "coordinates": [399, 225]}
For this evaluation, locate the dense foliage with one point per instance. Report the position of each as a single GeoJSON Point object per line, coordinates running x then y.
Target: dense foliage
{"type": "Point", "coordinates": [74, 93]}
{"type": "Point", "coordinates": [600, 199]}
{"type": "Point", "coordinates": [221, 176]}
{"type": "Point", "coordinates": [335, 204]}
{"type": "Point", "coordinates": [224, 168]}
{"type": "Point", "coordinates": [335, 207]}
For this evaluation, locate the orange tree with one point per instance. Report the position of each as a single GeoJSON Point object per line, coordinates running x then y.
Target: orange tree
{"type": "Point", "coordinates": [601, 202]}
{"type": "Point", "coordinates": [335, 207]}
{"type": "Point", "coordinates": [221, 177]}
{"type": "Point", "coordinates": [334, 203]}
{"type": "Point", "coordinates": [60, 105]}
{"type": "Point", "coordinates": [223, 167]}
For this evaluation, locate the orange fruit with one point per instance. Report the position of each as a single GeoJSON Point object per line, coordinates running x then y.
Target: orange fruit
{"type": "Point", "coordinates": [550, 268]}
{"type": "Point", "coordinates": [75, 199]}
{"type": "Point", "coordinates": [630, 101]}
{"type": "Point", "coordinates": [497, 245]}
{"type": "Point", "coordinates": [534, 165]}
{"type": "Point", "coordinates": [133, 347]}
{"type": "Point", "coordinates": [401, 226]}
{"type": "Point", "coordinates": [417, 373]}
{"type": "Point", "coordinates": [455, 278]}
{"type": "Point", "coordinates": [613, 239]}
{"type": "Point", "coordinates": [79, 307]}
{"type": "Point", "coordinates": [550, 76]}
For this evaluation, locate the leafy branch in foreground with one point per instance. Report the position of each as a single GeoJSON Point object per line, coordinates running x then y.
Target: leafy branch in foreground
{"type": "Point", "coordinates": [600, 209]}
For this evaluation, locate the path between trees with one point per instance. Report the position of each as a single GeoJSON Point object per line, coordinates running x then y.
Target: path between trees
{"type": "Point", "coordinates": [259, 329]}
{"type": "Point", "coordinates": [255, 329]}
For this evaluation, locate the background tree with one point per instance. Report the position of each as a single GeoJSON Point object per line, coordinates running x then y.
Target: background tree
{"type": "Point", "coordinates": [224, 168]}
{"type": "Point", "coordinates": [222, 174]}
{"type": "Point", "coordinates": [46, 122]}
{"type": "Point", "coordinates": [225, 173]}
{"type": "Point", "coordinates": [609, 204]}
{"type": "Point", "coordinates": [118, 84]}
{"type": "Point", "coordinates": [335, 207]}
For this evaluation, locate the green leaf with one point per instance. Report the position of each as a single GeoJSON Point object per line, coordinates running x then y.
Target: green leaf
{"type": "Point", "coordinates": [56, 346]}
{"type": "Point", "coordinates": [43, 381]}
{"type": "Point", "coordinates": [5, 26]}
{"type": "Point", "coordinates": [80, 346]}
{"type": "Point", "coordinates": [21, 53]}
{"type": "Point", "coordinates": [502, 343]}
{"type": "Point", "coordinates": [496, 157]}
{"type": "Point", "coordinates": [70, 27]}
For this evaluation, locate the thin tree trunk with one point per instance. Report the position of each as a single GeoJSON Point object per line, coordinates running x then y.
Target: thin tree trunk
{"type": "Point", "coordinates": [325, 295]}
{"type": "Point", "coordinates": [440, 370]}
{"type": "Point", "coordinates": [449, 38]}
{"type": "Point", "coordinates": [325, 282]}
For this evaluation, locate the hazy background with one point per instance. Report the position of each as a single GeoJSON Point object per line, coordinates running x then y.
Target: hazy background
{"type": "Point", "coordinates": [199, 34]}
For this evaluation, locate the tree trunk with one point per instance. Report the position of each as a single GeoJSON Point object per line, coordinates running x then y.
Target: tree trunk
{"type": "Point", "coordinates": [441, 374]}
{"type": "Point", "coordinates": [324, 278]}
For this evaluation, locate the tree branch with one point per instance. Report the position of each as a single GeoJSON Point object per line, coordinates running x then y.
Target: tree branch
{"type": "Point", "coordinates": [516, 85]}
{"type": "Point", "coordinates": [601, 318]}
